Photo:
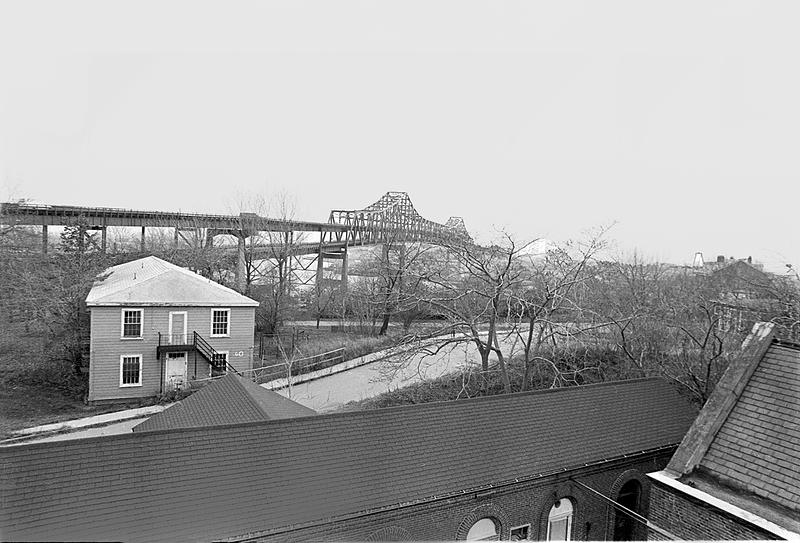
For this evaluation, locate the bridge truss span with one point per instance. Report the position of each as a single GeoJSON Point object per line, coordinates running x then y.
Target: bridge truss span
{"type": "Point", "coordinates": [392, 218]}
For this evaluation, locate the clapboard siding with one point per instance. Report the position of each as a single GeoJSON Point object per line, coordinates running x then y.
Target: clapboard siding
{"type": "Point", "coordinates": [107, 347]}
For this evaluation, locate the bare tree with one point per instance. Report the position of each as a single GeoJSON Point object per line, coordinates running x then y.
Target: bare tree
{"type": "Point", "coordinates": [475, 300]}
{"type": "Point", "coordinates": [46, 295]}
{"type": "Point", "coordinates": [673, 321]}
{"type": "Point", "coordinates": [323, 299]}
{"type": "Point", "coordinates": [272, 258]}
{"type": "Point", "coordinates": [191, 248]}
{"type": "Point", "coordinates": [398, 271]}
{"type": "Point", "coordinates": [551, 305]}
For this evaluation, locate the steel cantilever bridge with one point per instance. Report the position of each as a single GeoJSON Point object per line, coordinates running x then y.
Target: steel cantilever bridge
{"type": "Point", "coordinates": [392, 219]}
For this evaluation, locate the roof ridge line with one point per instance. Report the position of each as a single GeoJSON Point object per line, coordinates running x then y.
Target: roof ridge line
{"type": "Point", "coordinates": [238, 379]}
{"type": "Point", "coordinates": [452, 404]}
{"type": "Point", "coordinates": [499, 397]}
{"type": "Point", "coordinates": [368, 413]}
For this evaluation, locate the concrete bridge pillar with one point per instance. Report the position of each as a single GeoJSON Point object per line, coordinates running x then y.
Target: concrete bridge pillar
{"type": "Point", "coordinates": [402, 267]}
{"type": "Point", "coordinates": [241, 264]}
{"type": "Point", "coordinates": [344, 272]}
{"type": "Point", "coordinates": [320, 269]}
{"type": "Point", "coordinates": [81, 237]}
{"type": "Point", "coordinates": [44, 239]}
{"type": "Point", "coordinates": [141, 243]}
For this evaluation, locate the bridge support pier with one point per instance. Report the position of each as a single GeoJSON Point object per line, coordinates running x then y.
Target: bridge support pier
{"type": "Point", "coordinates": [81, 238]}
{"type": "Point", "coordinates": [241, 265]}
{"type": "Point", "coordinates": [141, 243]}
{"type": "Point", "coordinates": [341, 255]}
{"type": "Point", "coordinates": [320, 269]}
{"type": "Point", "coordinates": [344, 272]}
{"type": "Point", "coordinates": [401, 269]}
{"type": "Point", "coordinates": [104, 239]}
{"type": "Point", "coordinates": [44, 239]}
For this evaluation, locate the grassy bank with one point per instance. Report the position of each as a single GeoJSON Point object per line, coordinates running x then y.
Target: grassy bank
{"type": "Point", "coordinates": [37, 385]}
{"type": "Point", "coordinates": [572, 366]}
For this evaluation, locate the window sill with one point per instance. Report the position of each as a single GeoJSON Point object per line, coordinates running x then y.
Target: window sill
{"type": "Point", "coordinates": [130, 386]}
{"type": "Point", "coordinates": [220, 335]}
{"type": "Point", "coordinates": [131, 337]}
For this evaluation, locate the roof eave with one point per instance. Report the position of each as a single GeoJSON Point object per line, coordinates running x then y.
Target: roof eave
{"type": "Point", "coordinates": [670, 480]}
{"type": "Point", "coordinates": [130, 303]}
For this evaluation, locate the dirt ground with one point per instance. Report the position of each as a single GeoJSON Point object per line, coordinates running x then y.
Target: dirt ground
{"type": "Point", "coordinates": [22, 406]}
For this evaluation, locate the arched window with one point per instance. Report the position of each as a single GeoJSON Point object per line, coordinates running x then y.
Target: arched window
{"type": "Point", "coordinates": [485, 529]}
{"type": "Point", "coordinates": [559, 521]}
{"type": "Point", "coordinates": [629, 496]}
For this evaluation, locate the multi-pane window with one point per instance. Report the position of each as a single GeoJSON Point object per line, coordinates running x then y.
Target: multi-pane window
{"type": "Point", "coordinates": [559, 521]}
{"type": "Point", "coordinates": [220, 322]}
{"type": "Point", "coordinates": [130, 371]}
{"type": "Point", "coordinates": [220, 366]}
{"type": "Point", "coordinates": [131, 323]}
{"type": "Point", "coordinates": [221, 359]}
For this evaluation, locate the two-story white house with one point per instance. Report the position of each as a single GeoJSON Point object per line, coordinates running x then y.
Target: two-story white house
{"type": "Point", "coordinates": [156, 326]}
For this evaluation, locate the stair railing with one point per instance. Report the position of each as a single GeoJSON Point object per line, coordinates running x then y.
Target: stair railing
{"type": "Point", "coordinates": [208, 352]}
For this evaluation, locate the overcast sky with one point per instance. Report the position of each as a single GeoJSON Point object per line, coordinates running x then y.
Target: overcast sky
{"type": "Point", "coordinates": [678, 121]}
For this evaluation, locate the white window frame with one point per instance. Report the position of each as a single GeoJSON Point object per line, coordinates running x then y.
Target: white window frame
{"type": "Point", "coordinates": [498, 530]}
{"type": "Point", "coordinates": [228, 333]}
{"type": "Point", "coordinates": [122, 323]}
{"type": "Point", "coordinates": [121, 365]}
{"type": "Point", "coordinates": [185, 325]}
{"type": "Point", "coordinates": [528, 526]}
{"type": "Point", "coordinates": [227, 360]}
{"type": "Point", "coordinates": [561, 516]}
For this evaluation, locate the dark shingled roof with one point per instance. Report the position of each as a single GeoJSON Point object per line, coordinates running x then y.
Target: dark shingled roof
{"type": "Point", "coordinates": [758, 446]}
{"type": "Point", "coordinates": [229, 400]}
{"type": "Point", "coordinates": [218, 482]}
{"type": "Point", "coordinates": [744, 446]}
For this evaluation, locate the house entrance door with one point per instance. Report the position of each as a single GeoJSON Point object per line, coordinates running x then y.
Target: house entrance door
{"type": "Point", "coordinates": [177, 327]}
{"type": "Point", "coordinates": [176, 371]}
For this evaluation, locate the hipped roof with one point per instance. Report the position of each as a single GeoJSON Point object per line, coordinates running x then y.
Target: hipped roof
{"type": "Point", "coordinates": [151, 281]}
{"type": "Point", "coordinates": [229, 400]}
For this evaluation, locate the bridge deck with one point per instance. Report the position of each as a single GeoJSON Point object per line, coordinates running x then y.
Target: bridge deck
{"type": "Point", "coordinates": [32, 214]}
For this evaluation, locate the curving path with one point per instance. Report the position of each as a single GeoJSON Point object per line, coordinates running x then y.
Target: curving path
{"type": "Point", "coordinates": [332, 392]}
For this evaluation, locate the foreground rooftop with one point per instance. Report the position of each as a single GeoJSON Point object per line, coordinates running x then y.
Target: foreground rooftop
{"type": "Point", "coordinates": [220, 481]}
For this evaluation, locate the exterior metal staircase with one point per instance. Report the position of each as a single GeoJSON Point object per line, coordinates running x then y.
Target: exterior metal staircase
{"type": "Point", "coordinates": [193, 342]}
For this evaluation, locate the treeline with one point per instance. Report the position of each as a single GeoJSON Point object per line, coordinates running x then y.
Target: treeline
{"type": "Point", "coordinates": [537, 318]}
{"type": "Point", "coordinates": [571, 314]}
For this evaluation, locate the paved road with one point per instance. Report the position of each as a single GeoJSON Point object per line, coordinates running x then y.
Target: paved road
{"type": "Point", "coordinates": [123, 427]}
{"type": "Point", "coordinates": [330, 393]}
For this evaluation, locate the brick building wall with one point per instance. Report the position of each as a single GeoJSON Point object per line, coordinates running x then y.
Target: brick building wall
{"type": "Point", "coordinates": [690, 518]}
{"type": "Point", "coordinates": [513, 506]}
